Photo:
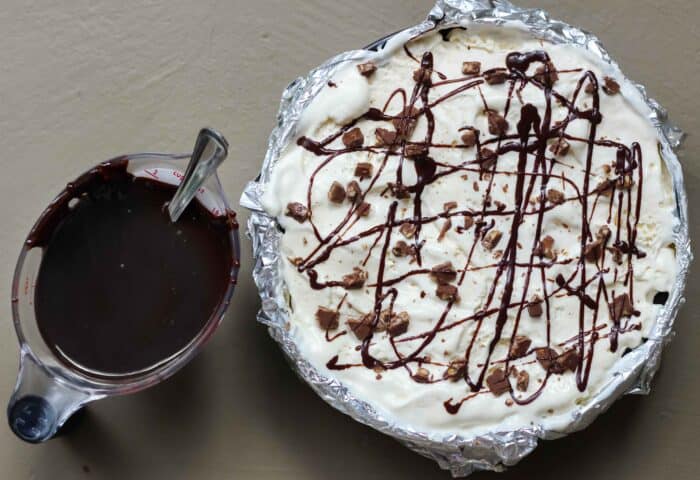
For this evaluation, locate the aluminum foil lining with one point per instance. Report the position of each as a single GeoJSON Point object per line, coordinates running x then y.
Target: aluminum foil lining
{"type": "Point", "coordinates": [501, 448]}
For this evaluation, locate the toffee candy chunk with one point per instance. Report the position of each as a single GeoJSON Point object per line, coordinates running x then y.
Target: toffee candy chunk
{"type": "Point", "coordinates": [523, 380]}
{"type": "Point", "coordinates": [544, 248]}
{"type": "Point", "coordinates": [622, 306]}
{"type": "Point", "coordinates": [471, 68]}
{"type": "Point", "coordinates": [444, 229]}
{"type": "Point", "coordinates": [546, 74]}
{"type": "Point", "coordinates": [422, 375]}
{"type": "Point", "coordinates": [496, 76]}
{"type": "Point", "coordinates": [398, 324]}
{"type": "Point", "coordinates": [547, 357]}
{"type": "Point", "coordinates": [367, 69]}
{"type": "Point", "coordinates": [385, 138]}
{"type": "Point", "coordinates": [447, 292]}
{"type": "Point", "coordinates": [469, 138]}
{"type": "Point", "coordinates": [555, 196]}
{"type": "Point", "coordinates": [455, 370]}
{"type": "Point", "coordinates": [336, 194]}
{"type": "Point", "coordinates": [520, 346]}
{"type": "Point", "coordinates": [569, 360]}
{"type": "Point", "coordinates": [534, 307]}
{"type": "Point", "coordinates": [361, 326]}
{"type": "Point", "coordinates": [593, 251]}
{"type": "Point", "coordinates": [408, 230]}
{"type": "Point", "coordinates": [561, 147]}
{"type": "Point", "coordinates": [405, 122]}
{"type": "Point", "coordinates": [353, 138]}
{"type": "Point", "coordinates": [443, 273]}
{"type": "Point", "coordinates": [497, 124]}
{"type": "Point", "coordinates": [616, 254]}
{"type": "Point", "coordinates": [401, 249]}
{"type": "Point", "coordinates": [603, 233]}
{"type": "Point", "coordinates": [556, 363]}
{"type": "Point", "coordinates": [590, 87]}
{"type": "Point", "coordinates": [399, 191]}
{"type": "Point", "coordinates": [354, 280]}
{"type": "Point", "coordinates": [447, 206]}
{"type": "Point", "coordinates": [497, 382]}
{"type": "Point", "coordinates": [296, 261]}
{"type": "Point", "coordinates": [488, 158]}
{"type": "Point", "coordinates": [416, 150]}
{"type": "Point", "coordinates": [610, 86]}
{"type": "Point", "coordinates": [491, 239]}
{"type": "Point", "coordinates": [422, 75]}
{"type": "Point", "coordinates": [353, 191]}
{"type": "Point", "coordinates": [363, 170]}
{"type": "Point", "coordinates": [363, 209]}
{"type": "Point", "coordinates": [327, 318]}
{"type": "Point", "coordinates": [297, 211]}
{"type": "Point", "coordinates": [384, 318]}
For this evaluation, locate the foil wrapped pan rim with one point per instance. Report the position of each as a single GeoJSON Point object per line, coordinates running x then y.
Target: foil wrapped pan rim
{"type": "Point", "coordinates": [461, 455]}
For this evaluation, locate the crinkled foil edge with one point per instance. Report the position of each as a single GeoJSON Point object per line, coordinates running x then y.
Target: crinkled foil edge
{"type": "Point", "coordinates": [496, 450]}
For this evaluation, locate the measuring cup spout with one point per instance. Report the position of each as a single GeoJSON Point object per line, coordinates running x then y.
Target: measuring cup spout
{"type": "Point", "coordinates": [40, 404]}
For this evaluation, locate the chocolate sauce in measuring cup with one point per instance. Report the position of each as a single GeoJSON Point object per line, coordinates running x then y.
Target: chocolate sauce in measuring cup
{"type": "Point", "coordinates": [121, 288]}
{"type": "Point", "coordinates": [120, 282]}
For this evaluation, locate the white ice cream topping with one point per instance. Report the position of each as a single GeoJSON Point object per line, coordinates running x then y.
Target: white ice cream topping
{"type": "Point", "coordinates": [413, 392]}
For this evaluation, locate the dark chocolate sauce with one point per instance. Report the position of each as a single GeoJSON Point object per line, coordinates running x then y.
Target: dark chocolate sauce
{"type": "Point", "coordinates": [121, 288]}
{"type": "Point", "coordinates": [530, 141]}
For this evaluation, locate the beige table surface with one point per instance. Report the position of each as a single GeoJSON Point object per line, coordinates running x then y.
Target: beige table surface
{"type": "Point", "coordinates": [81, 81]}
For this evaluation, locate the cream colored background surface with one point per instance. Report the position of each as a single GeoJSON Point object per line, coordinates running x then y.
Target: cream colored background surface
{"type": "Point", "coordinates": [83, 81]}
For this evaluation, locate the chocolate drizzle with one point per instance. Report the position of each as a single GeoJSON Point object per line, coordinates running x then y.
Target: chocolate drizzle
{"type": "Point", "coordinates": [531, 139]}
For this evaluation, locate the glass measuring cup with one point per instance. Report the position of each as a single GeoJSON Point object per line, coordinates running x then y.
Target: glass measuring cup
{"type": "Point", "coordinates": [48, 390]}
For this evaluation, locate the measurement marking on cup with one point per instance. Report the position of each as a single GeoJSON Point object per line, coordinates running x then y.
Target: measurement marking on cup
{"type": "Point", "coordinates": [153, 174]}
{"type": "Point", "coordinates": [179, 175]}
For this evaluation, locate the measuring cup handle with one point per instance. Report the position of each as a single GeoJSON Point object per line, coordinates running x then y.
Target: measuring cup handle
{"type": "Point", "coordinates": [40, 405]}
